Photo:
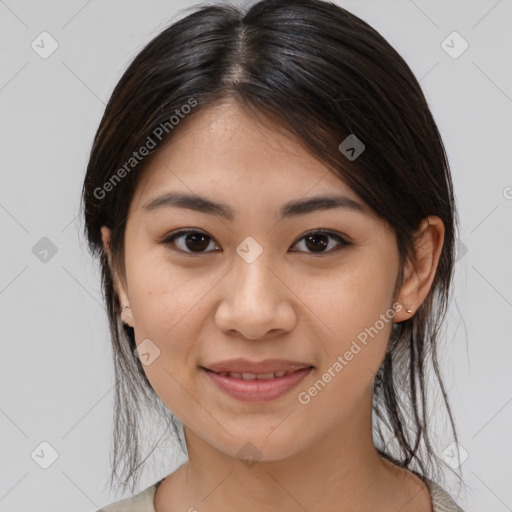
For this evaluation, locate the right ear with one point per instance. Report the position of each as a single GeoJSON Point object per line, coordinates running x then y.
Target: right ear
{"type": "Point", "coordinates": [126, 314]}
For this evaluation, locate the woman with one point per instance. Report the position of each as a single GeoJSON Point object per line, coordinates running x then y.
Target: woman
{"type": "Point", "coordinates": [273, 210]}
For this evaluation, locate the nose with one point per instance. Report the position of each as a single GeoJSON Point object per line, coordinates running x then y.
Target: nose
{"type": "Point", "coordinates": [256, 301]}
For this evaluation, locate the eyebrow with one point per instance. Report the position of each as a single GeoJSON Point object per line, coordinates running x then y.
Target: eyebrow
{"type": "Point", "coordinates": [291, 209]}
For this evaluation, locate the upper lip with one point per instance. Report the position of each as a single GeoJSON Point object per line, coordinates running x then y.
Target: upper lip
{"type": "Point", "coordinates": [266, 366]}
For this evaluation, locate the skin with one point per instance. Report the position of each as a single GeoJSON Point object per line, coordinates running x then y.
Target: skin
{"type": "Point", "coordinates": [301, 305]}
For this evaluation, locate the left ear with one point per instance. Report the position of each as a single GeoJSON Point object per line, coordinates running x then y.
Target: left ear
{"type": "Point", "coordinates": [119, 285]}
{"type": "Point", "coordinates": [421, 272]}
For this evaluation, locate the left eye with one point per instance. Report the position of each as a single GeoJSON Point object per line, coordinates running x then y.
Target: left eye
{"type": "Point", "coordinates": [193, 240]}
{"type": "Point", "coordinates": [196, 242]}
{"type": "Point", "coordinates": [318, 241]}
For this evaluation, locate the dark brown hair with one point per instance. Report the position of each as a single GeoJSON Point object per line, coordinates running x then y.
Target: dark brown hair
{"type": "Point", "coordinates": [322, 74]}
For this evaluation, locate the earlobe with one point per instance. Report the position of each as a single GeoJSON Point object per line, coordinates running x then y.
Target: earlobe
{"type": "Point", "coordinates": [125, 310]}
{"type": "Point", "coordinates": [126, 315]}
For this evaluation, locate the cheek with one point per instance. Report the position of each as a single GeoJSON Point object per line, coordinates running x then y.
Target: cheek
{"type": "Point", "coordinates": [353, 320]}
{"type": "Point", "coordinates": [166, 299]}
{"type": "Point", "coordinates": [345, 301]}
{"type": "Point", "coordinates": [169, 311]}
{"type": "Point", "coordinates": [347, 371]}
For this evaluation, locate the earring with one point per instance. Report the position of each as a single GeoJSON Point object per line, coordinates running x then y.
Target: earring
{"type": "Point", "coordinates": [123, 307]}
{"type": "Point", "coordinates": [409, 310]}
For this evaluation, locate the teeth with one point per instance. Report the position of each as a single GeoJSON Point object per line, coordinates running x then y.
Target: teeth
{"type": "Point", "coordinates": [253, 376]}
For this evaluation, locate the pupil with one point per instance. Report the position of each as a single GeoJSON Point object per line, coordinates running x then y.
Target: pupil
{"type": "Point", "coordinates": [197, 238]}
{"type": "Point", "coordinates": [319, 242]}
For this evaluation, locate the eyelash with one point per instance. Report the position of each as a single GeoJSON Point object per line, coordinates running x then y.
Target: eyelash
{"type": "Point", "coordinates": [169, 240]}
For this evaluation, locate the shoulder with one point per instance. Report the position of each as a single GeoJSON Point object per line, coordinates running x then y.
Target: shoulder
{"type": "Point", "coordinates": [141, 502]}
{"type": "Point", "coordinates": [441, 500]}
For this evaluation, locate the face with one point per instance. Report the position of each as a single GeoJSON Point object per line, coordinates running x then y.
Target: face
{"type": "Point", "coordinates": [255, 284]}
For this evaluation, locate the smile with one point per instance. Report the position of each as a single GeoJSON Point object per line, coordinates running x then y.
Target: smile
{"type": "Point", "coordinates": [254, 388]}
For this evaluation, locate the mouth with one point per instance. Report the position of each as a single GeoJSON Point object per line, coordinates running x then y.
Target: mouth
{"type": "Point", "coordinates": [257, 387]}
{"type": "Point", "coordinates": [256, 376]}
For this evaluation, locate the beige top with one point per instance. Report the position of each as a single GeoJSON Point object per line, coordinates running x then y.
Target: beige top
{"type": "Point", "coordinates": [143, 502]}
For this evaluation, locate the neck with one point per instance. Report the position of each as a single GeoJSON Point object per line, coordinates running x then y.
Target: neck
{"type": "Point", "coordinates": [341, 471]}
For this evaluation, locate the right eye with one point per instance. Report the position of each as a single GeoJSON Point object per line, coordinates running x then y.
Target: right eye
{"type": "Point", "coordinates": [190, 241]}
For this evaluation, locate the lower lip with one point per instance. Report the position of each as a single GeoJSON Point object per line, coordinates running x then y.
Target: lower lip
{"type": "Point", "coordinates": [258, 390]}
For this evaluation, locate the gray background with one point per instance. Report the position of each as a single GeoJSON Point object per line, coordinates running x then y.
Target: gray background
{"type": "Point", "coordinates": [56, 379]}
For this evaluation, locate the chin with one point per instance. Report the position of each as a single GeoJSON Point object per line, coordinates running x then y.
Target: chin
{"type": "Point", "coordinates": [262, 448]}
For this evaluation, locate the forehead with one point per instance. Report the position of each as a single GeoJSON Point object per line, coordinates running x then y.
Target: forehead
{"type": "Point", "coordinates": [224, 152]}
